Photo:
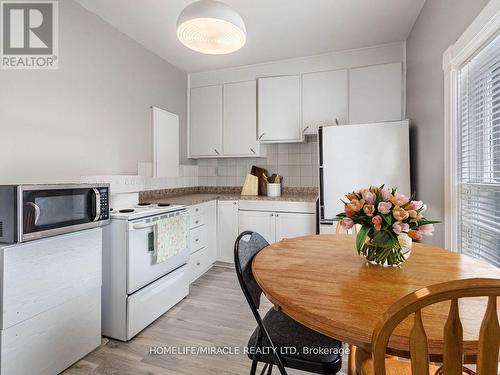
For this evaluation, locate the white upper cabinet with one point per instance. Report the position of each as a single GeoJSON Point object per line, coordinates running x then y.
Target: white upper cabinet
{"type": "Point", "coordinates": [324, 99]}
{"type": "Point", "coordinates": [240, 119]}
{"type": "Point", "coordinates": [279, 109]}
{"type": "Point", "coordinates": [206, 121]}
{"type": "Point", "coordinates": [375, 93]}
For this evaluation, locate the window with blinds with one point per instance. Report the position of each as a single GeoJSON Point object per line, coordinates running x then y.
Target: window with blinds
{"type": "Point", "coordinates": [478, 156]}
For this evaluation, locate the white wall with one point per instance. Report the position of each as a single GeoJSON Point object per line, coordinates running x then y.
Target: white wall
{"type": "Point", "coordinates": [439, 25]}
{"type": "Point", "coordinates": [91, 116]}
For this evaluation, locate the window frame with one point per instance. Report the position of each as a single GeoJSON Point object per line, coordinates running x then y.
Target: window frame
{"type": "Point", "coordinates": [483, 29]}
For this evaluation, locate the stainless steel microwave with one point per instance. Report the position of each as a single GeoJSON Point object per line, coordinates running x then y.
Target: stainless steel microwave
{"type": "Point", "coordinates": [29, 212]}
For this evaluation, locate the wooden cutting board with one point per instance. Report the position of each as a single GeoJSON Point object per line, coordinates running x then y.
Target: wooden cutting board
{"type": "Point", "coordinates": [251, 185]}
{"type": "Point", "coordinates": [259, 172]}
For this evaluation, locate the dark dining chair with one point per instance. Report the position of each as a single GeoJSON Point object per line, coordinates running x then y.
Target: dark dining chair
{"type": "Point", "coordinates": [276, 333]}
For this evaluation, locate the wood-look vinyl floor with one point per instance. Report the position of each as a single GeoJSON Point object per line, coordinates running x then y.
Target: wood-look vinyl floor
{"type": "Point", "coordinates": [214, 314]}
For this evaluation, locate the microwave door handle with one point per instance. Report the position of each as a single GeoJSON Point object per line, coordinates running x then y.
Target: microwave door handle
{"type": "Point", "coordinates": [97, 196]}
{"type": "Point", "coordinates": [144, 225]}
{"type": "Point", "coordinates": [37, 211]}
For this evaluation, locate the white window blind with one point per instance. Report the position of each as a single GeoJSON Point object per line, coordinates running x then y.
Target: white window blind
{"type": "Point", "coordinates": [478, 158]}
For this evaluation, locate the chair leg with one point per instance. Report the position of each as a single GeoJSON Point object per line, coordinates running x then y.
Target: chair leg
{"type": "Point", "coordinates": [270, 370]}
{"type": "Point", "coordinates": [351, 367]}
{"type": "Point", "coordinates": [253, 370]}
{"type": "Point", "coordinates": [264, 369]}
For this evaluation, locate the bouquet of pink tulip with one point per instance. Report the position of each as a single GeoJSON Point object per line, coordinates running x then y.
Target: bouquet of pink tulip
{"type": "Point", "coordinates": [389, 222]}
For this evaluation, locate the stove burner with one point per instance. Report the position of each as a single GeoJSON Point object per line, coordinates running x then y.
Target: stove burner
{"type": "Point", "coordinates": [163, 204]}
{"type": "Point", "coordinates": [127, 211]}
{"type": "Point", "coordinates": [110, 209]}
{"type": "Point", "coordinates": [144, 204]}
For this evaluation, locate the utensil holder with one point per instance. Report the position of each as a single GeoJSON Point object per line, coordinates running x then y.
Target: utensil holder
{"type": "Point", "coordinates": [274, 190]}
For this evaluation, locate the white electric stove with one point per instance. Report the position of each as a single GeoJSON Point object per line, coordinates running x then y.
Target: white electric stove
{"type": "Point", "coordinates": [136, 289]}
{"type": "Point", "coordinates": [140, 210]}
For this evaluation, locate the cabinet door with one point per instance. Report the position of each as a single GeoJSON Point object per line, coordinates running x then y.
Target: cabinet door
{"type": "Point", "coordinates": [240, 119]}
{"type": "Point", "coordinates": [289, 225]}
{"type": "Point", "coordinates": [260, 222]}
{"type": "Point", "coordinates": [211, 215]}
{"type": "Point", "coordinates": [280, 109]}
{"type": "Point", "coordinates": [205, 130]}
{"type": "Point", "coordinates": [227, 230]}
{"type": "Point", "coordinates": [324, 99]}
{"type": "Point", "coordinates": [375, 93]}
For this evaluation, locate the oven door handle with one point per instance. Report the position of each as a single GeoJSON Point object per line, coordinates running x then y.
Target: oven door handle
{"type": "Point", "coordinates": [144, 225]}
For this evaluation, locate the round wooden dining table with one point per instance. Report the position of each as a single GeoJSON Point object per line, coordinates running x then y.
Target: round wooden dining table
{"type": "Point", "coordinates": [321, 282]}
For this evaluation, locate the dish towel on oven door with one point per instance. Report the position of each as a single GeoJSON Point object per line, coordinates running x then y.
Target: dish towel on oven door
{"type": "Point", "coordinates": [170, 237]}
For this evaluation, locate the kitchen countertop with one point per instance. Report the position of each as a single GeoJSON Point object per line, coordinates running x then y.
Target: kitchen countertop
{"type": "Point", "coordinates": [196, 195]}
{"type": "Point", "coordinates": [191, 199]}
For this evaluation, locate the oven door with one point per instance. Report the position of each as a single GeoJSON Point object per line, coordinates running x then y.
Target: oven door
{"type": "Point", "coordinates": [141, 262]}
{"type": "Point", "coordinates": [51, 210]}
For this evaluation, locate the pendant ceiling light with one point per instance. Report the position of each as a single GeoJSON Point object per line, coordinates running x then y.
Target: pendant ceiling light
{"type": "Point", "coordinates": [211, 27]}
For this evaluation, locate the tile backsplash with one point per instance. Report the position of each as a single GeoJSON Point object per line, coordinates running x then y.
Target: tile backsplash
{"type": "Point", "coordinates": [297, 163]}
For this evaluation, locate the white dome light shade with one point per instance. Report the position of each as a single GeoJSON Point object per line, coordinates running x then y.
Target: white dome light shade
{"type": "Point", "coordinates": [211, 27]}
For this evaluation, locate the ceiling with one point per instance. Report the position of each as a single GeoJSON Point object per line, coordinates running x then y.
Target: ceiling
{"type": "Point", "coordinates": [276, 29]}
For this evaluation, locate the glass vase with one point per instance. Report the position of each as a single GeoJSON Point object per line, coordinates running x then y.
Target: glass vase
{"type": "Point", "coordinates": [392, 254]}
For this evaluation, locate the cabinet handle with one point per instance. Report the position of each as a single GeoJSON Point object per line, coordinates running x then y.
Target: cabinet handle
{"type": "Point", "coordinates": [235, 203]}
{"type": "Point", "coordinates": [198, 263]}
{"type": "Point", "coordinates": [253, 151]}
{"type": "Point", "coordinates": [197, 209]}
{"type": "Point", "coordinates": [217, 152]}
{"type": "Point", "coordinates": [336, 121]}
{"type": "Point", "coordinates": [305, 129]}
{"type": "Point", "coordinates": [196, 240]}
{"type": "Point", "coordinates": [260, 136]}
{"type": "Point", "coordinates": [277, 215]}
{"type": "Point", "coordinates": [272, 215]}
{"type": "Point", "coordinates": [197, 221]}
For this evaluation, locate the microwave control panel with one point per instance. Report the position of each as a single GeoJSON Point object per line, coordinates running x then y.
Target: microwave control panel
{"type": "Point", "coordinates": [104, 203]}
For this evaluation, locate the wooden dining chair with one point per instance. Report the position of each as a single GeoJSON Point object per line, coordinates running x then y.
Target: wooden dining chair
{"type": "Point", "coordinates": [276, 332]}
{"type": "Point", "coordinates": [412, 304]}
{"type": "Point", "coordinates": [351, 363]}
{"type": "Point", "coordinates": [339, 229]}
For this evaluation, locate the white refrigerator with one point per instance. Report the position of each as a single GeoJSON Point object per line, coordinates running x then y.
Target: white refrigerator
{"type": "Point", "coordinates": [352, 157]}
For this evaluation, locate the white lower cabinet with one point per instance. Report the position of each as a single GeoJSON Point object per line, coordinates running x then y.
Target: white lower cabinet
{"type": "Point", "coordinates": [260, 222]}
{"type": "Point", "coordinates": [289, 225]}
{"type": "Point", "coordinates": [215, 225]}
{"type": "Point", "coordinates": [276, 226]}
{"type": "Point", "coordinates": [198, 264]}
{"type": "Point", "coordinates": [227, 230]}
{"type": "Point", "coordinates": [202, 239]}
{"type": "Point", "coordinates": [50, 295]}
{"type": "Point", "coordinates": [53, 340]}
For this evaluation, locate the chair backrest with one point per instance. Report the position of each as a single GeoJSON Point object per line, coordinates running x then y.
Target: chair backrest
{"type": "Point", "coordinates": [339, 229]}
{"type": "Point", "coordinates": [489, 336]}
{"type": "Point", "coordinates": [247, 246]}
